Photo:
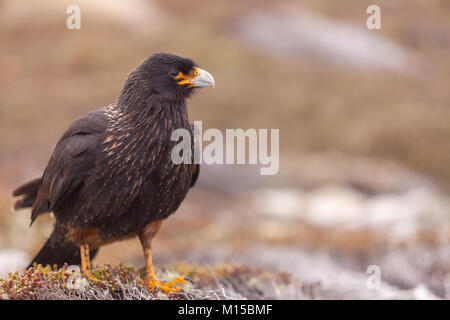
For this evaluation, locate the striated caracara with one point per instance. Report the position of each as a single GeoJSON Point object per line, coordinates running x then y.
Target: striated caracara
{"type": "Point", "coordinates": [111, 175]}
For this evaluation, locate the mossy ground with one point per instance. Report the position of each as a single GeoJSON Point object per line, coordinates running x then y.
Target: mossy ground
{"type": "Point", "coordinates": [224, 281]}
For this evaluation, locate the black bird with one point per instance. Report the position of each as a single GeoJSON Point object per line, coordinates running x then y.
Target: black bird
{"type": "Point", "coordinates": [111, 175]}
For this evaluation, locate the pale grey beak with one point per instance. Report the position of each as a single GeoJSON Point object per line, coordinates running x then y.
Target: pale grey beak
{"type": "Point", "coordinates": [204, 79]}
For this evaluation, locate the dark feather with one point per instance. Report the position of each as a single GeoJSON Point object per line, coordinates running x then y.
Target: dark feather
{"type": "Point", "coordinates": [28, 187]}
{"type": "Point", "coordinates": [28, 193]}
{"type": "Point", "coordinates": [111, 173]}
{"type": "Point", "coordinates": [71, 163]}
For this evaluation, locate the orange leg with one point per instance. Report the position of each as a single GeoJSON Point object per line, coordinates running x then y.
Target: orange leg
{"type": "Point", "coordinates": [86, 261]}
{"type": "Point", "coordinates": [151, 281]}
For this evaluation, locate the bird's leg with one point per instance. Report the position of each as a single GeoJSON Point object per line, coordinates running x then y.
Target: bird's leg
{"type": "Point", "coordinates": [86, 261]}
{"type": "Point", "coordinates": [151, 281]}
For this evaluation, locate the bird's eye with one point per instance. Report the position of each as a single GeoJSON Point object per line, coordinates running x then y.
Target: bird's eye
{"type": "Point", "coordinates": [173, 73]}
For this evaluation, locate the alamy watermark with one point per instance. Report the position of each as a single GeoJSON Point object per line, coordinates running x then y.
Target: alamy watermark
{"type": "Point", "coordinates": [74, 20]}
{"type": "Point", "coordinates": [231, 148]}
{"type": "Point", "coordinates": [374, 20]}
{"type": "Point", "coordinates": [373, 281]}
{"type": "Point", "coordinates": [75, 280]}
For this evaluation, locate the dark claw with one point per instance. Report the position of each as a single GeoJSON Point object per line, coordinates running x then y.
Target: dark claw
{"type": "Point", "coordinates": [190, 280]}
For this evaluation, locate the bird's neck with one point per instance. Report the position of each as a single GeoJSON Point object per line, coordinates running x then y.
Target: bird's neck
{"type": "Point", "coordinates": [141, 139]}
{"type": "Point", "coordinates": [138, 126]}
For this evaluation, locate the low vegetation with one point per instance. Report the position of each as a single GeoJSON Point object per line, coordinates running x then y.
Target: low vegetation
{"type": "Point", "coordinates": [224, 281]}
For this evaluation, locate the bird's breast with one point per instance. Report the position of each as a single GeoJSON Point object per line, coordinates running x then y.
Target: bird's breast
{"type": "Point", "coordinates": [136, 172]}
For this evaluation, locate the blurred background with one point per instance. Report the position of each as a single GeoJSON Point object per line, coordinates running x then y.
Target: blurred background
{"type": "Point", "coordinates": [364, 119]}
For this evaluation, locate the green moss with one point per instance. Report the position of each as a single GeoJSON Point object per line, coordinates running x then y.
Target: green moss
{"type": "Point", "coordinates": [124, 282]}
{"type": "Point", "coordinates": [29, 284]}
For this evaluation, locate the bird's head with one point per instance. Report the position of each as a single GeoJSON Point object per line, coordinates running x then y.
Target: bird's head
{"type": "Point", "coordinates": [169, 76]}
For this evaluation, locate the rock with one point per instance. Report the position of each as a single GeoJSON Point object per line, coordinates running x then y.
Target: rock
{"type": "Point", "coordinates": [12, 260]}
{"type": "Point", "coordinates": [292, 32]}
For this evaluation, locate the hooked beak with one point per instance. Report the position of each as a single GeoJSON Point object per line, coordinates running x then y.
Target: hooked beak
{"type": "Point", "coordinates": [198, 78]}
{"type": "Point", "coordinates": [203, 79]}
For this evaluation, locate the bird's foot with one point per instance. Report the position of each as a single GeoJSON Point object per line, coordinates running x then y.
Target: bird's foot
{"type": "Point", "coordinates": [166, 287]}
{"type": "Point", "coordinates": [90, 275]}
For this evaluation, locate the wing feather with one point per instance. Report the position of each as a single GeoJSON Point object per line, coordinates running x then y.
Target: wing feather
{"type": "Point", "coordinates": [71, 162]}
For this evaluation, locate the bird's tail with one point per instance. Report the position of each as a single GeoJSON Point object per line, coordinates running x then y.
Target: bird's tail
{"type": "Point", "coordinates": [28, 193]}
{"type": "Point", "coordinates": [58, 251]}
